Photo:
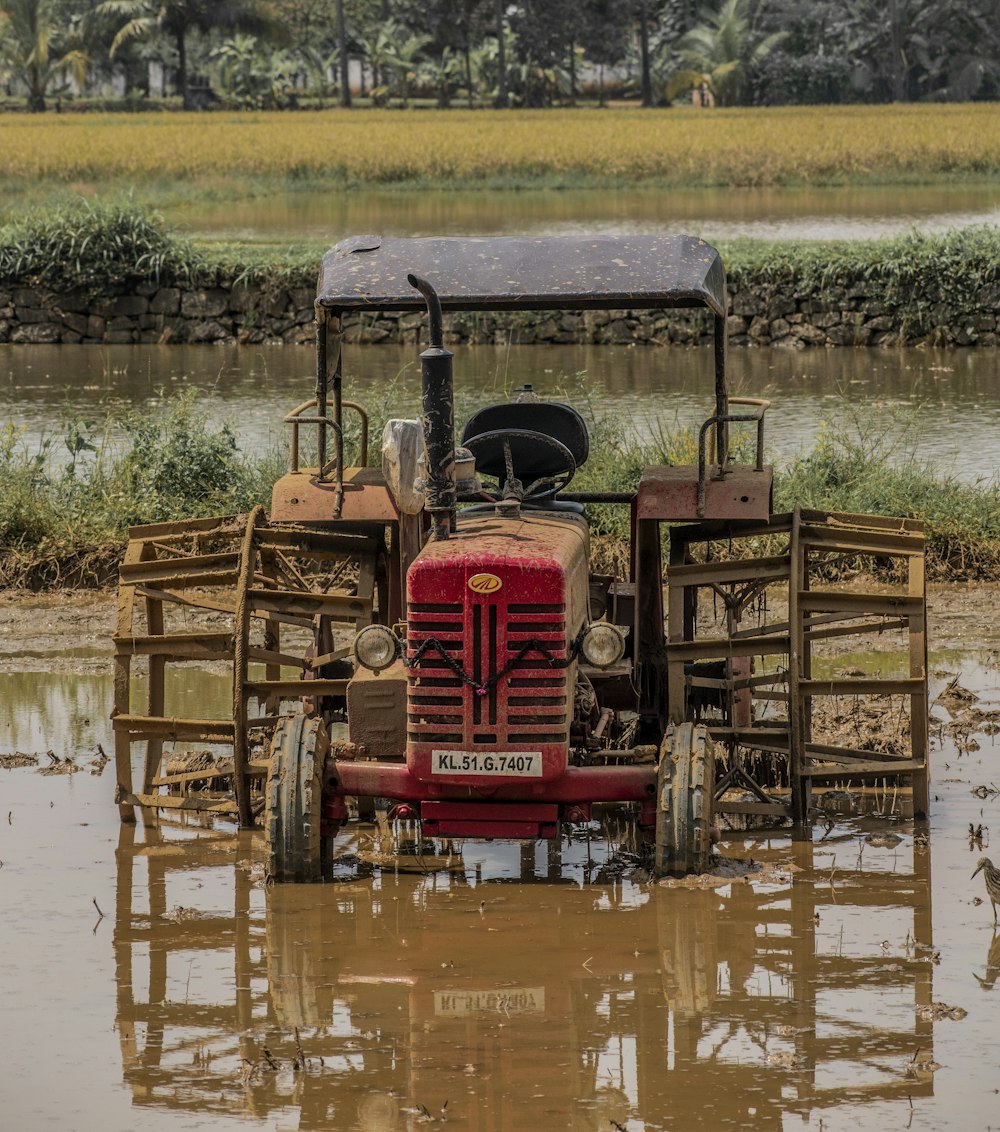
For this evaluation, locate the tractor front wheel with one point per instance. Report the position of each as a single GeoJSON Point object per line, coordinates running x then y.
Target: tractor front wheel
{"type": "Point", "coordinates": [685, 787]}
{"type": "Point", "coordinates": [294, 798]}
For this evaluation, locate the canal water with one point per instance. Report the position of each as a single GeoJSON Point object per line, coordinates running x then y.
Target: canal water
{"type": "Point", "coordinates": [942, 406]}
{"type": "Point", "coordinates": [153, 981]}
{"type": "Point", "coordinates": [807, 213]}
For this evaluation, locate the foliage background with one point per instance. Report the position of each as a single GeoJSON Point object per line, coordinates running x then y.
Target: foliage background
{"type": "Point", "coordinates": [274, 54]}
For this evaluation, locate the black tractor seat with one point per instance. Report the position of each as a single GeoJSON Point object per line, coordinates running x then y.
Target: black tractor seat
{"type": "Point", "coordinates": [524, 425]}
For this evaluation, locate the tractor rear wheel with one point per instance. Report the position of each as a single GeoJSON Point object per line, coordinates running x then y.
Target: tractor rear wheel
{"type": "Point", "coordinates": [293, 810]}
{"type": "Point", "coordinates": [685, 786]}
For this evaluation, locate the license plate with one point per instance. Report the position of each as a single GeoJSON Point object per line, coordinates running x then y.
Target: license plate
{"type": "Point", "coordinates": [513, 1000]}
{"type": "Point", "coordinates": [519, 764]}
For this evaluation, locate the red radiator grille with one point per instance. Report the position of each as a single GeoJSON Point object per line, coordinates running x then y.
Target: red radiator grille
{"type": "Point", "coordinates": [528, 705]}
{"type": "Point", "coordinates": [436, 697]}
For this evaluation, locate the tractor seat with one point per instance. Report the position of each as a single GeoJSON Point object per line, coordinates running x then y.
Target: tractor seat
{"type": "Point", "coordinates": [532, 458]}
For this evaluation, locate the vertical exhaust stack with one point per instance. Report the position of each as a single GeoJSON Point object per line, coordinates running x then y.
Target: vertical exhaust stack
{"type": "Point", "coordinates": [438, 416]}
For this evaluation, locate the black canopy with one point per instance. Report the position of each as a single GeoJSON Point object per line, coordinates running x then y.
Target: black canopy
{"type": "Point", "coordinates": [544, 272]}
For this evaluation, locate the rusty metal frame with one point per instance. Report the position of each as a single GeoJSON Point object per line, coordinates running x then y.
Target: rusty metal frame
{"type": "Point", "coordinates": [810, 537]}
{"type": "Point", "coordinates": [247, 571]}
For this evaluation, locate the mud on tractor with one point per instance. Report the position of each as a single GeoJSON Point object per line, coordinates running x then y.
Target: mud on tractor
{"type": "Point", "coordinates": [430, 637]}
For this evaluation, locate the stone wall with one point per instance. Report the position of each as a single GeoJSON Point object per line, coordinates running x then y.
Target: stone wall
{"type": "Point", "coordinates": [768, 314]}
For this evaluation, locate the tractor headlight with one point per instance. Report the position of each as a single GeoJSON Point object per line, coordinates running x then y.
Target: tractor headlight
{"type": "Point", "coordinates": [376, 647]}
{"type": "Point", "coordinates": [603, 644]}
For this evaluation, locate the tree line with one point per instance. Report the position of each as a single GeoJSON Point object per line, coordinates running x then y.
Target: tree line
{"type": "Point", "coordinates": [274, 54]}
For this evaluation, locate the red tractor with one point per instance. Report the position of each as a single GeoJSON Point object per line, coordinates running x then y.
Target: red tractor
{"type": "Point", "coordinates": [451, 651]}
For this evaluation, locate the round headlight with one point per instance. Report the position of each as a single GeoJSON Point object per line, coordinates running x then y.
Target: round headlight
{"type": "Point", "coordinates": [603, 644]}
{"type": "Point", "coordinates": [376, 647]}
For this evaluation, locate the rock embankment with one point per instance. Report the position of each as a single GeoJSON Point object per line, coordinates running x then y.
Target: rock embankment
{"type": "Point", "coordinates": [765, 315]}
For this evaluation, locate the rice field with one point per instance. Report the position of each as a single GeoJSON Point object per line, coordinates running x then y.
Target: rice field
{"type": "Point", "coordinates": [737, 147]}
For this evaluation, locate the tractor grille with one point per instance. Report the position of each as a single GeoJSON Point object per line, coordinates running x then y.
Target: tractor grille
{"type": "Point", "coordinates": [528, 705]}
{"type": "Point", "coordinates": [436, 695]}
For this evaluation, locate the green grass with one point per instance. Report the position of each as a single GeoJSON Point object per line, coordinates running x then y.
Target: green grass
{"type": "Point", "coordinates": [92, 247]}
{"type": "Point", "coordinates": [65, 509]}
{"type": "Point", "coordinates": [867, 470]}
{"type": "Point", "coordinates": [83, 246]}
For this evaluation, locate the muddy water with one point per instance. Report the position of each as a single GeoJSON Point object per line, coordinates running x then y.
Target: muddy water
{"type": "Point", "coordinates": [949, 400]}
{"type": "Point", "coordinates": [152, 981]}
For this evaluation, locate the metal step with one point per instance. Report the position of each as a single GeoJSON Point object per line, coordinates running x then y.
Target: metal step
{"type": "Point", "coordinates": [755, 809]}
{"type": "Point", "coordinates": [303, 543]}
{"type": "Point", "coordinates": [863, 686]}
{"type": "Point", "coordinates": [710, 648]}
{"type": "Point", "coordinates": [774, 569]}
{"type": "Point", "coordinates": [178, 646]}
{"type": "Point", "coordinates": [181, 778]}
{"type": "Point", "coordinates": [874, 769]}
{"type": "Point", "coordinates": [889, 544]}
{"type": "Point", "coordinates": [335, 605]}
{"type": "Point", "coordinates": [183, 802]}
{"type": "Point", "coordinates": [192, 570]}
{"type": "Point", "coordinates": [860, 604]}
{"type": "Point", "coordinates": [165, 727]}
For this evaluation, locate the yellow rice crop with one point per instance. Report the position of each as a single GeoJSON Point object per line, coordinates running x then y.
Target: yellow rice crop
{"type": "Point", "coordinates": [677, 146]}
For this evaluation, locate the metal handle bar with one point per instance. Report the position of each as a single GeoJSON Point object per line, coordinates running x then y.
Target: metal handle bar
{"type": "Point", "coordinates": [295, 418]}
{"type": "Point", "coordinates": [761, 404]}
{"type": "Point", "coordinates": [722, 459]}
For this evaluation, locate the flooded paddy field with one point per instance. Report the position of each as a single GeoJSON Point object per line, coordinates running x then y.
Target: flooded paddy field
{"type": "Point", "coordinates": [155, 981]}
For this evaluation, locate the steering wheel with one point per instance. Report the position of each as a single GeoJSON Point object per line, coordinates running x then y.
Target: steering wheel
{"type": "Point", "coordinates": [554, 469]}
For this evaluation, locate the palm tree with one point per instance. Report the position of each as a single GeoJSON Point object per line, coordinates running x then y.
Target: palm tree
{"type": "Point", "coordinates": [721, 51]}
{"type": "Point", "coordinates": [502, 99]}
{"type": "Point", "coordinates": [392, 52]}
{"type": "Point", "coordinates": [176, 18]}
{"type": "Point", "coordinates": [444, 75]}
{"type": "Point", "coordinates": [36, 49]}
{"type": "Point", "coordinates": [345, 81]}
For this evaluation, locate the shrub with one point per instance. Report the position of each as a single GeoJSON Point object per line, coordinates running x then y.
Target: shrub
{"type": "Point", "coordinates": [90, 247]}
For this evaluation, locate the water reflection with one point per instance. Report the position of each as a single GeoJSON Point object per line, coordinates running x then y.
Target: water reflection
{"type": "Point", "coordinates": [489, 985]}
{"type": "Point", "coordinates": [988, 980]}
{"type": "Point", "coordinates": [807, 213]}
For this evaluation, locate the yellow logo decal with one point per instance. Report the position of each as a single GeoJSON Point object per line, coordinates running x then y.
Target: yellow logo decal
{"type": "Point", "coordinates": [484, 583]}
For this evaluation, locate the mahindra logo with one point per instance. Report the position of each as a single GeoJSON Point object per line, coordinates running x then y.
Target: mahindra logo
{"type": "Point", "coordinates": [484, 583]}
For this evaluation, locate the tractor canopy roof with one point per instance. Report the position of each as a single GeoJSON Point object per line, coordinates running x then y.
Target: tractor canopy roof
{"type": "Point", "coordinates": [505, 272]}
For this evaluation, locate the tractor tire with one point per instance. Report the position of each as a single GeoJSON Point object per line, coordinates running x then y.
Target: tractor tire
{"type": "Point", "coordinates": [685, 790]}
{"type": "Point", "coordinates": [293, 807]}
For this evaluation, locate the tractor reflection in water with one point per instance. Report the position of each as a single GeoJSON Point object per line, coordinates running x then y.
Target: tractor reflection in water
{"type": "Point", "coordinates": [466, 992]}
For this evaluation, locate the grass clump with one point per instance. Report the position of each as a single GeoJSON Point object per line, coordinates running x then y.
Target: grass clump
{"type": "Point", "coordinates": [175, 465]}
{"type": "Point", "coordinates": [91, 247]}
{"type": "Point", "coordinates": [870, 471]}
{"type": "Point", "coordinates": [926, 281]}
{"type": "Point", "coordinates": [65, 508]}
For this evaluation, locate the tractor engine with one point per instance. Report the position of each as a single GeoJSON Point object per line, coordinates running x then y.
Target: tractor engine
{"type": "Point", "coordinates": [495, 614]}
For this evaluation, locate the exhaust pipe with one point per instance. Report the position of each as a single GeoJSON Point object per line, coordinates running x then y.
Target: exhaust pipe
{"type": "Point", "coordinates": [438, 416]}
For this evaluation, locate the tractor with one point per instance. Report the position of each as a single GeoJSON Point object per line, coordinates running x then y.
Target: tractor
{"type": "Point", "coordinates": [429, 638]}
